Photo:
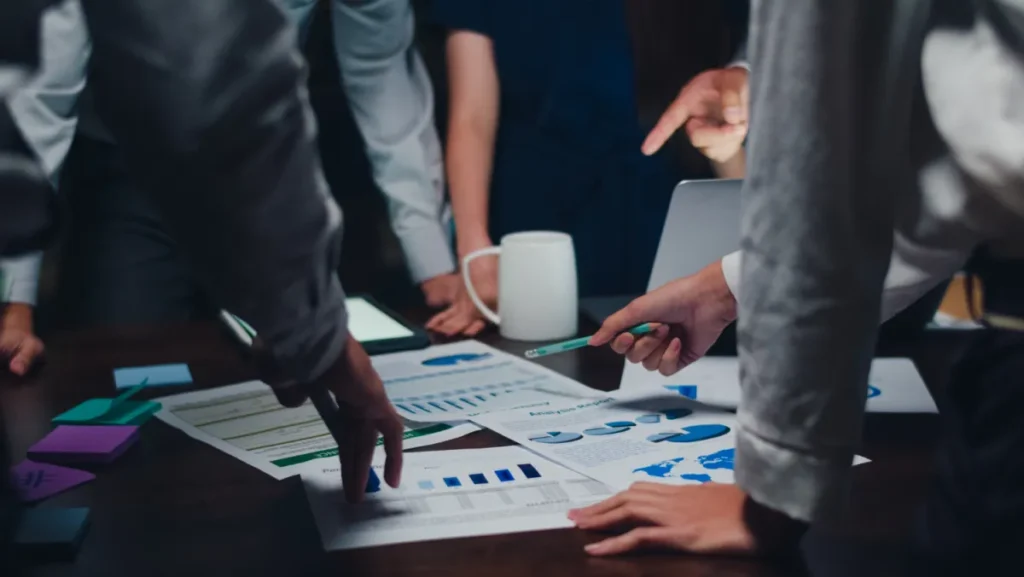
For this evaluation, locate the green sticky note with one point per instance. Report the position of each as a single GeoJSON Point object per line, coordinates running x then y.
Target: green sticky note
{"type": "Point", "coordinates": [126, 413]}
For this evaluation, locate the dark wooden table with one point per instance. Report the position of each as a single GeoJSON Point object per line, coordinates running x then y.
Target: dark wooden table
{"type": "Point", "coordinates": [172, 505]}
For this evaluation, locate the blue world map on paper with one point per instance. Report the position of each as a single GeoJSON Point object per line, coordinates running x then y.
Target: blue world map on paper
{"type": "Point", "coordinates": [716, 467]}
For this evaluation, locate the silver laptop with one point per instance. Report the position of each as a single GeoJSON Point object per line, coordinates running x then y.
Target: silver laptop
{"type": "Point", "coordinates": [702, 226]}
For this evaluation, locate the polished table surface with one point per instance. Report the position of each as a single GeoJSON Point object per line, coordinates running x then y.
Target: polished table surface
{"type": "Point", "coordinates": [172, 505]}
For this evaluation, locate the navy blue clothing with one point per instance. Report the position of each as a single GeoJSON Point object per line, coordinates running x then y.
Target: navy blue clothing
{"type": "Point", "coordinates": [567, 155]}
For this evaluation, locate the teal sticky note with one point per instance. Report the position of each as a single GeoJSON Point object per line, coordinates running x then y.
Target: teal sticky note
{"type": "Point", "coordinates": [127, 413]}
{"type": "Point", "coordinates": [156, 375]}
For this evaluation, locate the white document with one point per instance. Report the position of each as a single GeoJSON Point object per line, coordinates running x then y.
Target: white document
{"type": "Point", "coordinates": [246, 422]}
{"type": "Point", "coordinates": [456, 381]}
{"type": "Point", "coordinates": [895, 386]}
{"type": "Point", "coordinates": [448, 494]}
{"type": "Point", "coordinates": [620, 439]}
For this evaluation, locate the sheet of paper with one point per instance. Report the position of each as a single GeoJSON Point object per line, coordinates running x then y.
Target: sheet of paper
{"type": "Point", "coordinates": [246, 422]}
{"type": "Point", "coordinates": [620, 439]}
{"type": "Point", "coordinates": [895, 384]}
{"type": "Point", "coordinates": [153, 376]}
{"type": "Point", "coordinates": [459, 380]}
{"type": "Point", "coordinates": [448, 494]}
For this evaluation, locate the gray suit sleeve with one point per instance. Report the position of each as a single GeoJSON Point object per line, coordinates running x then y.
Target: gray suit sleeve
{"type": "Point", "coordinates": [817, 237]}
{"type": "Point", "coordinates": [207, 100]}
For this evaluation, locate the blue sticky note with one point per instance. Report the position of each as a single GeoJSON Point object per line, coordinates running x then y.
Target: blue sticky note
{"type": "Point", "coordinates": [155, 375]}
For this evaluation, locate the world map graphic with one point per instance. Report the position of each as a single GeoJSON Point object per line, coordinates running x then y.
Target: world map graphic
{"type": "Point", "coordinates": [716, 467]}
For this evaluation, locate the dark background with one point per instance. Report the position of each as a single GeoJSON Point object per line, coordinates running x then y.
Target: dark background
{"type": "Point", "coordinates": [673, 41]}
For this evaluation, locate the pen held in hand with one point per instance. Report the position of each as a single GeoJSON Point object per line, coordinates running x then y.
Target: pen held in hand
{"type": "Point", "coordinates": [581, 342]}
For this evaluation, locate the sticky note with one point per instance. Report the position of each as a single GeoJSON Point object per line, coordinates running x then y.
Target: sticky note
{"type": "Point", "coordinates": [156, 375]}
{"type": "Point", "coordinates": [84, 444]}
{"type": "Point", "coordinates": [51, 533]}
{"type": "Point", "coordinates": [126, 413]}
{"type": "Point", "coordinates": [36, 481]}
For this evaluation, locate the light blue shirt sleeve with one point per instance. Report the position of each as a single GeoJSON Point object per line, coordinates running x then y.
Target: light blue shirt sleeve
{"type": "Point", "coordinates": [45, 111]}
{"type": "Point", "coordinates": [392, 101]}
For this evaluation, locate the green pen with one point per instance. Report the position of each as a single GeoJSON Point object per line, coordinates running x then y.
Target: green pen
{"type": "Point", "coordinates": [580, 343]}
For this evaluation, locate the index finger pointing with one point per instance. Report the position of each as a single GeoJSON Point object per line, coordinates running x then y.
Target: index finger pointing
{"type": "Point", "coordinates": [392, 431]}
{"type": "Point", "coordinates": [674, 116]}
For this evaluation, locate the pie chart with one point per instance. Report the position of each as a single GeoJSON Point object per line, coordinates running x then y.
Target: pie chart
{"type": "Point", "coordinates": [455, 359]}
{"type": "Point", "coordinates": [695, 433]}
{"type": "Point", "coordinates": [659, 437]}
{"type": "Point", "coordinates": [673, 414]}
{"type": "Point", "coordinates": [556, 438]}
{"type": "Point", "coordinates": [648, 419]}
{"type": "Point", "coordinates": [873, 391]}
{"type": "Point", "coordinates": [612, 428]}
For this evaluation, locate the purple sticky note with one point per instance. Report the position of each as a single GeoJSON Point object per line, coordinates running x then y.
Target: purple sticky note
{"type": "Point", "coordinates": [84, 444]}
{"type": "Point", "coordinates": [36, 481]}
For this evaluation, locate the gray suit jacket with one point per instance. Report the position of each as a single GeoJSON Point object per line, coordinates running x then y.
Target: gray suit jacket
{"type": "Point", "coordinates": [207, 99]}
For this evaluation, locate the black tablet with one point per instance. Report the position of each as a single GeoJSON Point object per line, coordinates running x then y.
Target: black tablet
{"type": "Point", "coordinates": [375, 326]}
{"type": "Point", "coordinates": [380, 330]}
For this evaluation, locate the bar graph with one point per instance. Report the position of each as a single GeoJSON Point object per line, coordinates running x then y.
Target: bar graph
{"type": "Point", "coordinates": [461, 400]}
{"type": "Point", "coordinates": [452, 480]}
{"type": "Point", "coordinates": [530, 471]}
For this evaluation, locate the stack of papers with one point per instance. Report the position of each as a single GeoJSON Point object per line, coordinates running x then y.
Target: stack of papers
{"type": "Point", "coordinates": [578, 446]}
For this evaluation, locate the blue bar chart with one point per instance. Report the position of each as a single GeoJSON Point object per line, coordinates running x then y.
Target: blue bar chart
{"type": "Point", "coordinates": [519, 472]}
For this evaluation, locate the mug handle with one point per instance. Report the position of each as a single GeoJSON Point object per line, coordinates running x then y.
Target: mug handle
{"type": "Point", "coordinates": [480, 306]}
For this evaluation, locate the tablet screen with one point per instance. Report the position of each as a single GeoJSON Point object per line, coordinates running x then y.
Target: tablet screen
{"type": "Point", "coordinates": [368, 323]}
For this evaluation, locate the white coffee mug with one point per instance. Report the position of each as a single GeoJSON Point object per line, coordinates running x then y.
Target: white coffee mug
{"type": "Point", "coordinates": [537, 295]}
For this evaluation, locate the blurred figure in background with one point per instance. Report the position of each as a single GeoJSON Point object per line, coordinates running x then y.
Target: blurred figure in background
{"type": "Point", "coordinates": [121, 264]}
{"type": "Point", "coordinates": [543, 134]}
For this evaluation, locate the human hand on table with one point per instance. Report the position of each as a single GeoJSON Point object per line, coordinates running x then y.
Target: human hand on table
{"type": "Point", "coordinates": [364, 411]}
{"type": "Point", "coordinates": [692, 313]}
{"type": "Point", "coordinates": [713, 107]}
{"type": "Point", "coordinates": [20, 348]}
{"type": "Point", "coordinates": [441, 290]}
{"type": "Point", "coordinates": [462, 317]}
{"type": "Point", "coordinates": [710, 518]}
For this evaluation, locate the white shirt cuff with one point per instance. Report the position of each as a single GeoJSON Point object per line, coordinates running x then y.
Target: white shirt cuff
{"type": "Point", "coordinates": [20, 278]}
{"type": "Point", "coordinates": [739, 64]}
{"type": "Point", "coordinates": [427, 251]}
{"type": "Point", "coordinates": [731, 264]}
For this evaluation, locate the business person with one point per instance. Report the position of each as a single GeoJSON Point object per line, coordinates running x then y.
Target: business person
{"type": "Point", "coordinates": [207, 100]}
{"type": "Point", "coordinates": [824, 193]}
{"type": "Point", "coordinates": [543, 134]}
{"type": "Point", "coordinates": [122, 265]}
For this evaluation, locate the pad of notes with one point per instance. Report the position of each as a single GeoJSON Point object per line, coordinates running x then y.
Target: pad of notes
{"type": "Point", "coordinates": [126, 413]}
{"type": "Point", "coordinates": [84, 444]}
{"type": "Point", "coordinates": [36, 481]}
{"type": "Point", "coordinates": [51, 534]}
{"type": "Point", "coordinates": [153, 376]}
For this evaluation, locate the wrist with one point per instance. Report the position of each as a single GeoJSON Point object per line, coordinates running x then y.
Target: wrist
{"type": "Point", "coordinates": [472, 242]}
{"type": "Point", "coordinates": [16, 315]}
{"type": "Point", "coordinates": [717, 293]}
